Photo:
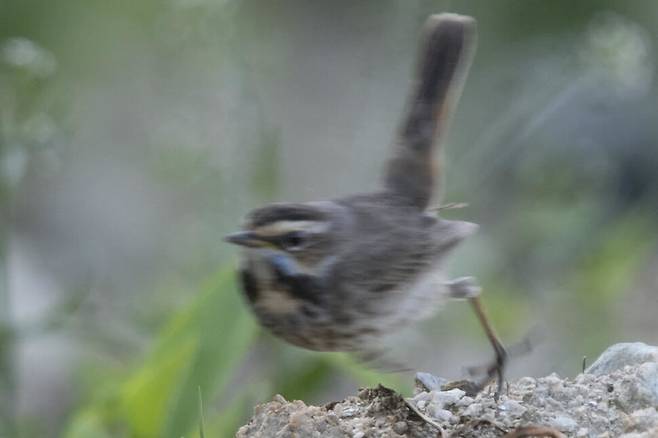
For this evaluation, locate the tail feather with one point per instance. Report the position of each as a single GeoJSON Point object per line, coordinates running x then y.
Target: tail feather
{"type": "Point", "coordinates": [446, 51]}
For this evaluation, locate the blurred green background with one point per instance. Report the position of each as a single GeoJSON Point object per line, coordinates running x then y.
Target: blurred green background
{"type": "Point", "coordinates": [135, 134]}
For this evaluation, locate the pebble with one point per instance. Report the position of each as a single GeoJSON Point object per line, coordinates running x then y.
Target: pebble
{"type": "Point", "coordinates": [644, 418]}
{"type": "Point", "coordinates": [526, 381]}
{"type": "Point", "coordinates": [422, 396]}
{"type": "Point", "coordinates": [474, 410]}
{"type": "Point", "coordinates": [447, 398]}
{"type": "Point", "coordinates": [442, 415]}
{"type": "Point", "coordinates": [400, 427]}
{"type": "Point", "coordinates": [648, 374]}
{"type": "Point", "coordinates": [512, 408]}
{"type": "Point", "coordinates": [552, 380]}
{"type": "Point", "coordinates": [347, 411]}
{"type": "Point", "coordinates": [279, 399]}
{"type": "Point", "coordinates": [464, 401]}
{"type": "Point", "coordinates": [564, 423]}
{"type": "Point", "coordinates": [429, 382]}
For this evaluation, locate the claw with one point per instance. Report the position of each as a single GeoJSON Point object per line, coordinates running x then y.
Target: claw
{"type": "Point", "coordinates": [496, 368]}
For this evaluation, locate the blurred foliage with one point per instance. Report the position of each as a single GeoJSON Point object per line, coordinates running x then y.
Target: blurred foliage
{"type": "Point", "coordinates": [135, 134]}
{"type": "Point", "coordinates": [26, 126]}
{"type": "Point", "coordinates": [602, 277]}
{"type": "Point", "coordinates": [198, 350]}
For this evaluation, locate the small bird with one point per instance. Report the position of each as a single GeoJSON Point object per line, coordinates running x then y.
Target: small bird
{"type": "Point", "coordinates": [338, 275]}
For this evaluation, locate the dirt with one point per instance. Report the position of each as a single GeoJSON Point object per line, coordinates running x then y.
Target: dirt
{"type": "Point", "coordinates": [620, 402]}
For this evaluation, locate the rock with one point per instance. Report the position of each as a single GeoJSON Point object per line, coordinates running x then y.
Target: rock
{"type": "Point", "coordinates": [643, 419]}
{"type": "Point", "coordinates": [620, 403]}
{"type": "Point", "coordinates": [652, 433]}
{"type": "Point", "coordinates": [512, 407]}
{"type": "Point", "coordinates": [564, 423]}
{"type": "Point", "coordinates": [345, 411]}
{"type": "Point", "coordinates": [620, 355]}
{"type": "Point", "coordinates": [426, 382]}
{"type": "Point", "coordinates": [464, 401]}
{"type": "Point", "coordinates": [648, 382]}
{"type": "Point", "coordinates": [422, 397]}
{"type": "Point", "coordinates": [400, 427]}
{"type": "Point", "coordinates": [639, 391]}
{"type": "Point", "coordinates": [474, 411]}
{"type": "Point", "coordinates": [442, 415]}
{"type": "Point", "coordinates": [447, 398]}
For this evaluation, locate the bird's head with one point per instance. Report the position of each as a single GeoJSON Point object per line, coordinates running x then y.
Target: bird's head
{"type": "Point", "coordinates": [305, 232]}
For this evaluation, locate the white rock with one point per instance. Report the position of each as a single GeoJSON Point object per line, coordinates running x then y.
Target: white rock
{"type": "Point", "coordinates": [653, 433]}
{"type": "Point", "coordinates": [648, 376]}
{"type": "Point", "coordinates": [620, 355]}
{"type": "Point", "coordinates": [646, 415]}
{"type": "Point", "coordinates": [512, 408]}
{"type": "Point", "coordinates": [400, 427]}
{"type": "Point", "coordinates": [464, 401]}
{"type": "Point", "coordinates": [474, 410]}
{"type": "Point", "coordinates": [552, 379]}
{"type": "Point", "coordinates": [429, 381]}
{"type": "Point", "coordinates": [564, 423]}
{"type": "Point", "coordinates": [526, 381]}
{"type": "Point", "coordinates": [441, 415]}
{"type": "Point", "coordinates": [345, 411]}
{"type": "Point", "coordinates": [446, 398]}
{"type": "Point", "coordinates": [422, 396]}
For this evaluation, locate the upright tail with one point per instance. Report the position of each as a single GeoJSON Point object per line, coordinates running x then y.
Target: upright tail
{"type": "Point", "coordinates": [446, 51]}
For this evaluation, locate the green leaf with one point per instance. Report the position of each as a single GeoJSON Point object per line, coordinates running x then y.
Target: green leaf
{"type": "Point", "coordinates": [224, 331]}
{"type": "Point", "coordinates": [88, 424]}
{"type": "Point", "coordinates": [199, 349]}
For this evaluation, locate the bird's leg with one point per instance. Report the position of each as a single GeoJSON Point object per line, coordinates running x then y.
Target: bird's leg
{"type": "Point", "coordinates": [467, 288]}
{"type": "Point", "coordinates": [496, 368]}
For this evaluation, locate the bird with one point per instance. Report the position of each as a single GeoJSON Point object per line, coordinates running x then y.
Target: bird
{"type": "Point", "coordinates": [340, 274]}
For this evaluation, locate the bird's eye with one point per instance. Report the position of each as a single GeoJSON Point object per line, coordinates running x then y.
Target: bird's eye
{"type": "Point", "coordinates": [293, 240]}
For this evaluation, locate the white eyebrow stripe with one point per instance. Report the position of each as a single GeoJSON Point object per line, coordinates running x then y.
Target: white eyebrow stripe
{"type": "Point", "coordinates": [282, 227]}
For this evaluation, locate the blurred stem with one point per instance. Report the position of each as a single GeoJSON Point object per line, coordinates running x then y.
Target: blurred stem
{"type": "Point", "coordinates": [7, 372]}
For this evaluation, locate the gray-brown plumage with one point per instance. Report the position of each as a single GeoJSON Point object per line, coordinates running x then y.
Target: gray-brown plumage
{"type": "Point", "coordinates": [445, 54]}
{"type": "Point", "coordinates": [338, 275]}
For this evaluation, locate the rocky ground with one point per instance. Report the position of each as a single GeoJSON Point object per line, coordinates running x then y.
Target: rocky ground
{"type": "Point", "coordinates": [615, 397]}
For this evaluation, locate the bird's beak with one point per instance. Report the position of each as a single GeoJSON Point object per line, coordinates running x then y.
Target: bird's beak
{"type": "Point", "coordinates": [244, 238]}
